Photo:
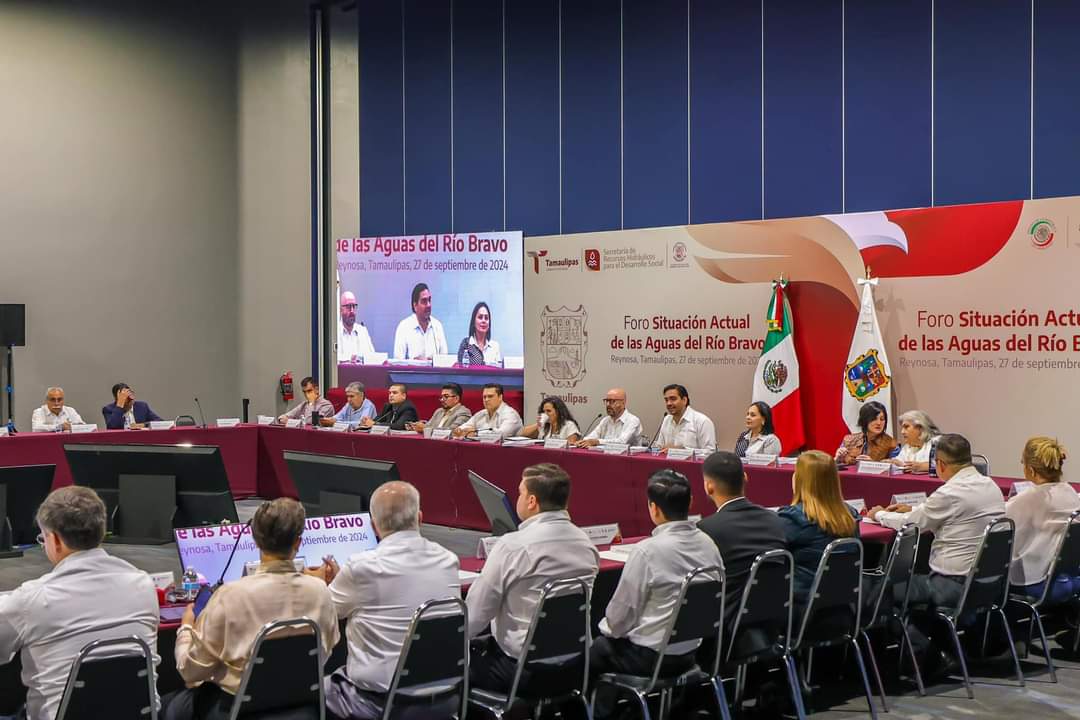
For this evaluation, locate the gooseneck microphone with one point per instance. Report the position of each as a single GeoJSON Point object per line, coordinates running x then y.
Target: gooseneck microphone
{"type": "Point", "coordinates": [657, 434]}
{"type": "Point", "coordinates": [589, 429]}
{"type": "Point", "coordinates": [201, 416]}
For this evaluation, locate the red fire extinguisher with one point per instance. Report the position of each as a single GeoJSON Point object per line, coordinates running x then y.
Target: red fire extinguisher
{"type": "Point", "coordinates": [285, 386]}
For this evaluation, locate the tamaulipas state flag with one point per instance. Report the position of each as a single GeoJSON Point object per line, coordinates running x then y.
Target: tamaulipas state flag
{"type": "Point", "coordinates": [776, 380]}
{"type": "Point", "coordinates": [867, 375]}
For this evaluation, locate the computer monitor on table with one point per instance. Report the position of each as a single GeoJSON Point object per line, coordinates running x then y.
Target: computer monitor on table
{"type": "Point", "coordinates": [497, 506]}
{"type": "Point", "coordinates": [150, 489]}
{"type": "Point", "coordinates": [22, 489]}
{"type": "Point", "coordinates": [331, 484]}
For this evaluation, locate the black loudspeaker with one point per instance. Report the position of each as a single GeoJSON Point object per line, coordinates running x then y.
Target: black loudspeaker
{"type": "Point", "coordinates": [12, 325]}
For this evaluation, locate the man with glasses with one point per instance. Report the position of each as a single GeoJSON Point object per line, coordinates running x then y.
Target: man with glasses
{"type": "Point", "coordinates": [54, 415]}
{"type": "Point", "coordinates": [89, 595]}
{"type": "Point", "coordinates": [618, 426]}
{"type": "Point", "coordinates": [451, 413]}
{"type": "Point", "coordinates": [354, 342]}
{"type": "Point", "coordinates": [313, 403]}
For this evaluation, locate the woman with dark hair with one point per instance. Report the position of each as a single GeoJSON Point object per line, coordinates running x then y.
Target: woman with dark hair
{"type": "Point", "coordinates": [872, 443]}
{"type": "Point", "coordinates": [478, 348]}
{"type": "Point", "coordinates": [760, 436]}
{"type": "Point", "coordinates": [554, 421]}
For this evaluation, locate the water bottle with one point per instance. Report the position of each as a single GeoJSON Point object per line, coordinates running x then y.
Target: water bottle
{"type": "Point", "coordinates": [933, 457]}
{"type": "Point", "coordinates": [127, 421]}
{"type": "Point", "coordinates": [189, 583]}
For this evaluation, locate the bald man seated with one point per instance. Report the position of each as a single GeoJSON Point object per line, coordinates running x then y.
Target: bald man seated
{"type": "Point", "coordinates": [618, 426]}
{"type": "Point", "coordinates": [354, 342]}
{"type": "Point", "coordinates": [54, 415]}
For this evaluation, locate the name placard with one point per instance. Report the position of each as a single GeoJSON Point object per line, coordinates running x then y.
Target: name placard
{"type": "Point", "coordinates": [602, 534]}
{"type": "Point", "coordinates": [4, 430]}
{"type": "Point", "coordinates": [484, 547]}
{"type": "Point", "coordinates": [786, 461]}
{"type": "Point", "coordinates": [1020, 486]}
{"type": "Point", "coordinates": [229, 422]}
{"type": "Point", "coordinates": [908, 498]}
{"type": "Point", "coordinates": [614, 448]}
{"type": "Point", "coordinates": [514, 362]}
{"type": "Point", "coordinates": [380, 429]}
{"type": "Point", "coordinates": [266, 419]}
{"type": "Point", "coordinates": [491, 438]}
{"type": "Point", "coordinates": [869, 467]}
{"type": "Point", "coordinates": [338, 427]}
{"type": "Point", "coordinates": [293, 423]}
{"type": "Point", "coordinates": [444, 361]}
{"type": "Point", "coordinates": [702, 453]}
{"type": "Point", "coordinates": [760, 459]}
{"type": "Point", "coordinates": [858, 504]}
{"type": "Point", "coordinates": [440, 434]}
{"type": "Point", "coordinates": [680, 453]}
{"type": "Point", "coordinates": [162, 424]}
{"type": "Point", "coordinates": [374, 358]}
{"type": "Point", "coordinates": [83, 428]}
{"type": "Point", "coordinates": [555, 444]}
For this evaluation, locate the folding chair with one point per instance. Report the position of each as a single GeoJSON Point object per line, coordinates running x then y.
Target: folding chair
{"type": "Point", "coordinates": [428, 665]}
{"type": "Point", "coordinates": [110, 678]}
{"type": "Point", "coordinates": [277, 676]}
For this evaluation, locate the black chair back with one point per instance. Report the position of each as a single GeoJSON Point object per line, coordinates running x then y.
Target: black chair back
{"type": "Point", "coordinates": [981, 463]}
{"type": "Point", "coordinates": [284, 671]}
{"type": "Point", "coordinates": [698, 613]}
{"type": "Point", "coordinates": [835, 601]}
{"type": "Point", "coordinates": [110, 678]}
{"type": "Point", "coordinates": [1066, 561]}
{"type": "Point", "coordinates": [987, 583]}
{"type": "Point", "coordinates": [559, 633]}
{"type": "Point", "coordinates": [895, 578]}
{"type": "Point", "coordinates": [435, 657]}
{"type": "Point", "coordinates": [762, 626]}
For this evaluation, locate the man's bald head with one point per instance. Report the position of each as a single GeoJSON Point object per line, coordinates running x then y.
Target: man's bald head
{"type": "Point", "coordinates": [395, 506]}
{"type": "Point", "coordinates": [615, 402]}
{"type": "Point", "coordinates": [348, 309]}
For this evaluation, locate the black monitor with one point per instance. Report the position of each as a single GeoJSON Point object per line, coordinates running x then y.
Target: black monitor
{"type": "Point", "coordinates": [151, 489]}
{"type": "Point", "coordinates": [333, 485]}
{"type": "Point", "coordinates": [22, 489]}
{"type": "Point", "coordinates": [496, 504]}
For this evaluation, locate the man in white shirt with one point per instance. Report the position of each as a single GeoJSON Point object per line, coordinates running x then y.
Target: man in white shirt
{"type": "Point", "coordinates": [420, 336]}
{"type": "Point", "coordinates": [619, 424]}
{"type": "Point", "coordinates": [683, 426]}
{"type": "Point", "coordinates": [638, 614]}
{"type": "Point", "coordinates": [496, 416]}
{"type": "Point", "coordinates": [354, 342]}
{"type": "Point", "coordinates": [89, 595]}
{"type": "Point", "coordinates": [377, 592]}
{"type": "Point", "coordinates": [546, 546]}
{"type": "Point", "coordinates": [54, 415]}
{"type": "Point", "coordinates": [957, 514]}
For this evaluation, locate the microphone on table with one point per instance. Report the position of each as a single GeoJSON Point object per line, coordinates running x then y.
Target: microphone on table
{"type": "Point", "coordinates": [386, 412]}
{"type": "Point", "coordinates": [201, 416]}
{"type": "Point", "coordinates": [588, 429]}
{"type": "Point", "coordinates": [657, 433]}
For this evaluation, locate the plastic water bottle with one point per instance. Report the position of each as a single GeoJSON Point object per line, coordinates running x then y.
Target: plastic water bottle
{"type": "Point", "coordinates": [189, 583]}
{"type": "Point", "coordinates": [127, 421]}
{"type": "Point", "coordinates": [933, 457]}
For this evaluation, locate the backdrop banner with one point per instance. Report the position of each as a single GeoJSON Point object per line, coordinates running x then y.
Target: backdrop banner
{"type": "Point", "coordinates": [976, 306]}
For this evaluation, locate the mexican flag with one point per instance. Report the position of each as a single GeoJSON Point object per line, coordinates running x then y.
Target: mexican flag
{"type": "Point", "coordinates": [867, 375]}
{"type": "Point", "coordinates": [776, 380]}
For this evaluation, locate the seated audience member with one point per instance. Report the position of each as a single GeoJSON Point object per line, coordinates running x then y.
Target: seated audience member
{"type": "Point", "coordinates": [759, 437]}
{"type": "Point", "coordinates": [957, 514]}
{"type": "Point", "coordinates": [54, 415]}
{"type": "Point", "coordinates": [633, 627]}
{"type": "Point", "coordinates": [1040, 514]}
{"type": "Point", "coordinates": [871, 442]}
{"type": "Point", "coordinates": [817, 516]}
{"type": "Point", "coordinates": [213, 650]}
{"type": "Point", "coordinates": [377, 592]}
{"type": "Point", "coordinates": [125, 412]}
{"type": "Point", "coordinates": [89, 595]}
{"type": "Point", "coordinates": [398, 411]}
{"type": "Point", "coordinates": [683, 426]}
{"type": "Point", "coordinates": [619, 424]}
{"type": "Point", "coordinates": [916, 432]}
{"type": "Point", "coordinates": [554, 421]}
{"type": "Point", "coordinates": [356, 407]}
{"type": "Point", "coordinates": [450, 415]}
{"type": "Point", "coordinates": [314, 402]}
{"type": "Point", "coordinates": [740, 529]}
{"type": "Point", "coordinates": [547, 546]}
{"type": "Point", "coordinates": [478, 348]}
{"type": "Point", "coordinates": [496, 416]}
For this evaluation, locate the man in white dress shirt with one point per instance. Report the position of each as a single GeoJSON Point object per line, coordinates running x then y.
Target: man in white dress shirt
{"type": "Point", "coordinates": [496, 416]}
{"type": "Point", "coordinates": [377, 592]}
{"type": "Point", "coordinates": [89, 595]}
{"type": "Point", "coordinates": [957, 514]}
{"type": "Point", "coordinates": [546, 546]}
{"type": "Point", "coordinates": [683, 426]}
{"type": "Point", "coordinates": [638, 614]}
{"type": "Point", "coordinates": [54, 415]}
{"type": "Point", "coordinates": [354, 342]}
{"type": "Point", "coordinates": [619, 424]}
{"type": "Point", "coordinates": [420, 336]}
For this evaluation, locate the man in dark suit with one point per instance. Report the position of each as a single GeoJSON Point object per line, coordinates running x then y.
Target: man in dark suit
{"type": "Point", "coordinates": [740, 529]}
{"type": "Point", "coordinates": [397, 411]}
{"type": "Point", "coordinates": [124, 405]}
